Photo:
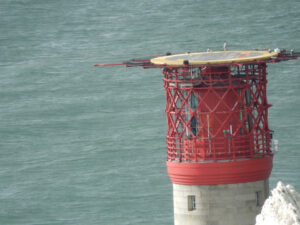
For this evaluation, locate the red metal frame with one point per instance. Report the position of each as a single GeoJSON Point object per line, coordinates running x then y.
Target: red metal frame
{"type": "Point", "coordinates": [217, 113]}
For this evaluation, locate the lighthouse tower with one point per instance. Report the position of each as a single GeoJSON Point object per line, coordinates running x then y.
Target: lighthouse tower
{"type": "Point", "coordinates": [219, 154]}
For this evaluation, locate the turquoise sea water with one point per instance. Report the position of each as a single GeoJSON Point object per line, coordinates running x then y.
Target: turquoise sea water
{"type": "Point", "coordinates": [82, 145]}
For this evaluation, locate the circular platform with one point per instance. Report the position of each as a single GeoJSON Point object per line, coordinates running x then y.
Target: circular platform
{"type": "Point", "coordinates": [218, 57]}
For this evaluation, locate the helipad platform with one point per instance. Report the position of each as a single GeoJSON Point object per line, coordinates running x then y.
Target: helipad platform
{"type": "Point", "coordinates": [217, 57]}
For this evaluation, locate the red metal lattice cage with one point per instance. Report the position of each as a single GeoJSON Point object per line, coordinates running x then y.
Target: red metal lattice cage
{"type": "Point", "coordinates": [217, 113]}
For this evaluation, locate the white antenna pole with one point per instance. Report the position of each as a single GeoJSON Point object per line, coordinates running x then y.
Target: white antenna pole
{"type": "Point", "coordinates": [208, 134]}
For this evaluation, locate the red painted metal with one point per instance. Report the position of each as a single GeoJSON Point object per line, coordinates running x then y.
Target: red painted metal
{"type": "Point", "coordinates": [217, 118]}
{"type": "Point", "coordinates": [217, 114]}
{"type": "Point", "coordinates": [220, 172]}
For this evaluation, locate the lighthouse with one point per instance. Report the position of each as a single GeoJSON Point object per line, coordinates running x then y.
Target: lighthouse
{"type": "Point", "coordinates": [219, 143]}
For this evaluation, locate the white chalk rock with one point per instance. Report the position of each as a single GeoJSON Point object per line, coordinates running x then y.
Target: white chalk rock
{"type": "Point", "coordinates": [281, 208]}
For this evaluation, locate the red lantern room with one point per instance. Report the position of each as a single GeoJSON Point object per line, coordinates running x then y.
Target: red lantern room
{"type": "Point", "coordinates": [217, 118]}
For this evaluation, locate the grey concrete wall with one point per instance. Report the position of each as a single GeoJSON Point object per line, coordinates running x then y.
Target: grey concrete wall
{"type": "Point", "coordinates": [230, 204]}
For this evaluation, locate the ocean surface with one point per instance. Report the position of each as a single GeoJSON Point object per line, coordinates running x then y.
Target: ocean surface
{"type": "Point", "coordinates": [81, 145]}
